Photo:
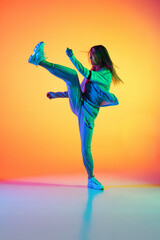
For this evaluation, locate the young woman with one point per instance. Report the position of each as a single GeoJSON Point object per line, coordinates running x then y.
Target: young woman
{"type": "Point", "coordinates": [86, 98]}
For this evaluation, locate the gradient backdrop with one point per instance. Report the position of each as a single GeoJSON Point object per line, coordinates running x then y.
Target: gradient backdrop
{"type": "Point", "coordinates": [39, 137]}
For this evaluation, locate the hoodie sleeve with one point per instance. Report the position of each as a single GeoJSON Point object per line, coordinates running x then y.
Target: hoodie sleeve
{"type": "Point", "coordinates": [102, 77]}
{"type": "Point", "coordinates": [60, 94]}
{"type": "Point", "coordinates": [84, 71]}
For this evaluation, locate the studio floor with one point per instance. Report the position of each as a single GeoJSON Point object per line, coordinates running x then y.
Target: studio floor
{"type": "Point", "coordinates": [64, 208]}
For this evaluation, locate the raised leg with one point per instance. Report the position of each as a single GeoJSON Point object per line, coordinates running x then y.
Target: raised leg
{"type": "Point", "coordinates": [71, 79]}
{"type": "Point", "coordinates": [67, 74]}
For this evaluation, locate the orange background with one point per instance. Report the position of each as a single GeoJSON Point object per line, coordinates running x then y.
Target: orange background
{"type": "Point", "coordinates": [39, 137]}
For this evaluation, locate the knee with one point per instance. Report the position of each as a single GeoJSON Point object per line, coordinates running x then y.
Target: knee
{"type": "Point", "coordinates": [73, 77]}
{"type": "Point", "coordinates": [86, 150]}
{"type": "Point", "coordinates": [89, 124]}
{"type": "Point", "coordinates": [74, 73]}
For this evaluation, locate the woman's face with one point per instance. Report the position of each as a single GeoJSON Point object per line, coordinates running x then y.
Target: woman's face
{"type": "Point", "coordinates": [93, 57]}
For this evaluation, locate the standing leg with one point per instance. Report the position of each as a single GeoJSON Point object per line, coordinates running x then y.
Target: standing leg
{"type": "Point", "coordinates": [86, 138]}
{"type": "Point", "coordinates": [86, 132]}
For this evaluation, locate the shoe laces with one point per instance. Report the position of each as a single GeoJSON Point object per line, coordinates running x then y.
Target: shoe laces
{"type": "Point", "coordinates": [96, 181]}
{"type": "Point", "coordinates": [42, 54]}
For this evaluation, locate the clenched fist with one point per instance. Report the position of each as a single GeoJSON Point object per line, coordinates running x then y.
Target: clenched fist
{"type": "Point", "coordinates": [69, 52]}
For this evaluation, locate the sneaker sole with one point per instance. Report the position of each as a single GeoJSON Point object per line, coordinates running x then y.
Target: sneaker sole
{"type": "Point", "coordinates": [38, 47]}
{"type": "Point", "coordinates": [101, 188]}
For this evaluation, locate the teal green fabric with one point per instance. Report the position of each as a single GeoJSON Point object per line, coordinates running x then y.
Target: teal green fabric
{"type": "Point", "coordinates": [96, 91]}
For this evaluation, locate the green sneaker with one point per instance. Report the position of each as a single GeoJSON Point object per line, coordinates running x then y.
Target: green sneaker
{"type": "Point", "coordinates": [94, 183]}
{"type": "Point", "coordinates": [38, 54]}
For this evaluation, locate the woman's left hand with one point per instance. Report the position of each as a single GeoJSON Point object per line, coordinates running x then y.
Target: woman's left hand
{"type": "Point", "coordinates": [69, 52]}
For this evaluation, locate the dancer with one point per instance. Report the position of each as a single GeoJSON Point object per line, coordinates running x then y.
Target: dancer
{"type": "Point", "coordinates": [86, 98]}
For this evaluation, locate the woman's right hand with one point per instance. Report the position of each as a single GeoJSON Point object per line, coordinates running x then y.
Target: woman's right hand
{"type": "Point", "coordinates": [50, 95]}
{"type": "Point", "coordinates": [69, 52]}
